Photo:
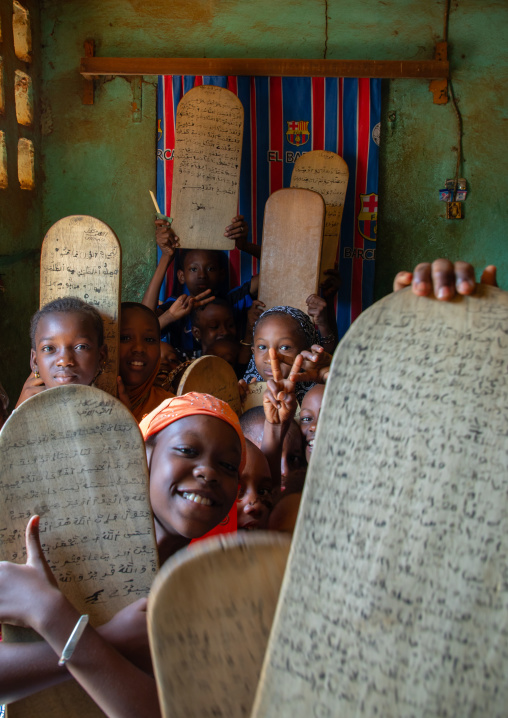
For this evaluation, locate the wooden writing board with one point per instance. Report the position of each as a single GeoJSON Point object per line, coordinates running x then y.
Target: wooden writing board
{"type": "Point", "coordinates": [212, 375]}
{"type": "Point", "coordinates": [206, 166]}
{"type": "Point", "coordinates": [81, 257]}
{"type": "Point", "coordinates": [326, 173]}
{"type": "Point", "coordinates": [254, 397]}
{"type": "Point", "coordinates": [75, 456]}
{"type": "Point", "coordinates": [291, 248]}
{"type": "Point", "coordinates": [209, 617]}
{"type": "Point", "coordinates": [394, 600]}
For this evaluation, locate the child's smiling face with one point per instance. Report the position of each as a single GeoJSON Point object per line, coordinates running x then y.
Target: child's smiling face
{"type": "Point", "coordinates": [67, 349]}
{"type": "Point", "coordinates": [193, 475]}
{"type": "Point", "coordinates": [255, 499]}
{"type": "Point", "coordinates": [139, 348]}
{"type": "Point", "coordinates": [309, 415]}
{"type": "Point", "coordinates": [284, 334]}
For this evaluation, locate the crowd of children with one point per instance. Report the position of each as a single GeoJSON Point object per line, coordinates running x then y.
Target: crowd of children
{"type": "Point", "coordinates": [204, 461]}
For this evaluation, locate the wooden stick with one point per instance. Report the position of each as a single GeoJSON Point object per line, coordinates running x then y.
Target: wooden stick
{"type": "Point", "coordinates": [154, 202]}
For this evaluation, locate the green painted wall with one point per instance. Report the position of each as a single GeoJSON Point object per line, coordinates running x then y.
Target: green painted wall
{"type": "Point", "coordinates": [20, 213]}
{"type": "Point", "coordinates": [96, 160]}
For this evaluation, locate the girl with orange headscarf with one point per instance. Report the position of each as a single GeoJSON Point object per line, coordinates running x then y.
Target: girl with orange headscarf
{"type": "Point", "coordinates": [195, 452]}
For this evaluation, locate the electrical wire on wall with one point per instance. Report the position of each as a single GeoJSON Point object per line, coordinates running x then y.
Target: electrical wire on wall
{"type": "Point", "coordinates": [455, 107]}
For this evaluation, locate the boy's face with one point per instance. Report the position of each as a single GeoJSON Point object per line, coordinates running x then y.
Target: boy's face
{"type": "Point", "coordinates": [215, 322]}
{"type": "Point", "coordinates": [193, 475]}
{"type": "Point", "coordinates": [139, 348]}
{"type": "Point", "coordinates": [254, 501]}
{"type": "Point", "coordinates": [201, 270]}
{"type": "Point", "coordinates": [66, 349]}
{"type": "Point", "coordinates": [309, 415]}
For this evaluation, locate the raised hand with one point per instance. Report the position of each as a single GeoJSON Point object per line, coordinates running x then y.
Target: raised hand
{"type": "Point", "coordinates": [443, 279]}
{"type": "Point", "coordinates": [317, 309]}
{"type": "Point", "coordinates": [237, 230]}
{"type": "Point", "coordinates": [166, 238]}
{"type": "Point", "coordinates": [311, 365]}
{"type": "Point", "coordinates": [330, 286]}
{"type": "Point", "coordinates": [279, 399]}
{"type": "Point", "coordinates": [184, 304]}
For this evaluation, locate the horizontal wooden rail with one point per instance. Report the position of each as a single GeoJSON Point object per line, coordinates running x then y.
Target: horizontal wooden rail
{"type": "Point", "coordinates": [92, 67]}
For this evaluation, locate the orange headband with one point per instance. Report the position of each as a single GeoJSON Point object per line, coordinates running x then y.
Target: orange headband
{"type": "Point", "coordinates": [178, 407]}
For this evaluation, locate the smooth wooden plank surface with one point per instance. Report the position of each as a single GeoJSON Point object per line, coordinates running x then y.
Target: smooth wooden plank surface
{"type": "Point", "coordinates": [206, 167]}
{"type": "Point", "coordinates": [328, 174]}
{"type": "Point", "coordinates": [425, 69]}
{"type": "Point", "coordinates": [209, 616]}
{"type": "Point", "coordinates": [212, 375]}
{"type": "Point", "coordinates": [291, 248]}
{"type": "Point", "coordinates": [81, 257]}
{"type": "Point", "coordinates": [75, 456]}
{"type": "Point", "coordinates": [395, 602]}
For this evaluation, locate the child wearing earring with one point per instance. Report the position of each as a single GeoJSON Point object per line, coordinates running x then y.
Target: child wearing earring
{"type": "Point", "coordinates": [67, 337]}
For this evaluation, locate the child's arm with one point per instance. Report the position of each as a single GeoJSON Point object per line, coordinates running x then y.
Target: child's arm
{"type": "Point", "coordinates": [30, 597]}
{"type": "Point", "coordinates": [279, 403]}
{"type": "Point", "coordinates": [238, 230]}
{"type": "Point", "coordinates": [182, 306]}
{"type": "Point", "coordinates": [168, 243]}
{"type": "Point", "coordinates": [26, 668]}
{"type": "Point", "coordinates": [319, 311]}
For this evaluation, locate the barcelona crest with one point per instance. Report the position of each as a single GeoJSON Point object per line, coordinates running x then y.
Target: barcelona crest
{"type": "Point", "coordinates": [367, 217]}
{"type": "Point", "coordinates": [297, 133]}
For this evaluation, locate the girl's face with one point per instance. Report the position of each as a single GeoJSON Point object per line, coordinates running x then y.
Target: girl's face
{"type": "Point", "coordinates": [67, 349]}
{"type": "Point", "coordinates": [139, 349]}
{"type": "Point", "coordinates": [309, 415]}
{"type": "Point", "coordinates": [284, 335]}
{"type": "Point", "coordinates": [193, 476]}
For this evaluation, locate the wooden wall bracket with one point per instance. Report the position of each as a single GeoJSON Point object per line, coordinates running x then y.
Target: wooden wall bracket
{"type": "Point", "coordinates": [439, 87]}
{"type": "Point", "coordinates": [89, 46]}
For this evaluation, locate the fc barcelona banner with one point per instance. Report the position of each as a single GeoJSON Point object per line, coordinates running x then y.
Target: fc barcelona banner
{"type": "Point", "coordinates": [284, 118]}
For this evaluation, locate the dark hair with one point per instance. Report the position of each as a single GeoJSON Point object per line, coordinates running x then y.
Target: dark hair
{"type": "Point", "coordinates": [144, 308]}
{"type": "Point", "coordinates": [196, 313]}
{"type": "Point", "coordinates": [217, 254]}
{"type": "Point", "coordinates": [252, 420]}
{"type": "Point", "coordinates": [68, 305]}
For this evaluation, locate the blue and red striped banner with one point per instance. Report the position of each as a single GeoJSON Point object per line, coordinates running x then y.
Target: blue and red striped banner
{"type": "Point", "coordinates": [285, 117]}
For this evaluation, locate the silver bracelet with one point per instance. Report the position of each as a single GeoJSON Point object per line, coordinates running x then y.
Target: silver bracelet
{"type": "Point", "coordinates": [71, 644]}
